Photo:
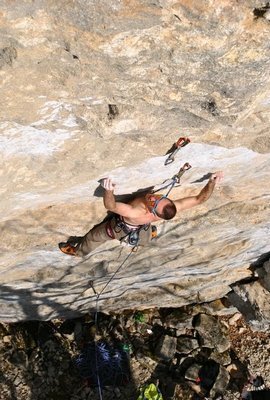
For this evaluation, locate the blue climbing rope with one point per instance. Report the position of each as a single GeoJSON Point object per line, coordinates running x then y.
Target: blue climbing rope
{"type": "Point", "coordinates": [98, 295]}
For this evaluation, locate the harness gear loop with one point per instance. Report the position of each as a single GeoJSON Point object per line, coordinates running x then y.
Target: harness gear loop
{"type": "Point", "coordinates": [132, 234]}
{"type": "Point", "coordinates": [181, 142]}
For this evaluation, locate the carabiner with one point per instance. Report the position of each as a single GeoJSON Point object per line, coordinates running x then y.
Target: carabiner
{"type": "Point", "coordinates": [181, 171]}
{"type": "Point", "coordinates": [181, 142]}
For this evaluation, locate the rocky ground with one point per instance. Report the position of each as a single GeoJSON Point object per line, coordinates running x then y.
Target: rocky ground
{"type": "Point", "coordinates": [192, 352]}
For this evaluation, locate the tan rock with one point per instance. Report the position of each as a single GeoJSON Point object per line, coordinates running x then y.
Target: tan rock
{"type": "Point", "coordinates": [242, 330]}
{"type": "Point", "coordinates": [233, 320]}
{"type": "Point", "coordinates": [181, 68]}
{"type": "Point", "coordinates": [7, 339]}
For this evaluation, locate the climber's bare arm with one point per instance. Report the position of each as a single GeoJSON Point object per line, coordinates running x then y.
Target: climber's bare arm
{"type": "Point", "coordinates": [123, 209]}
{"type": "Point", "coordinates": [205, 193]}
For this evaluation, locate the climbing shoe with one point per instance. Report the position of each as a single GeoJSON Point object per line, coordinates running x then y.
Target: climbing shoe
{"type": "Point", "coordinates": [154, 232]}
{"type": "Point", "coordinates": [75, 240]}
{"type": "Point", "coordinates": [67, 248]}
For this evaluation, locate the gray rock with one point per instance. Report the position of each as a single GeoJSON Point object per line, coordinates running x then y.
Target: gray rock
{"type": "Point", "coordinates": [253, 301]}
{"type": "Point", "coordinates": [212, 333]}
{"type": "Point", "coordinates": [264, 274]}
{"type": "Point", "coordinates": [221, 358]}
{"type": "Point", "coordinates": [179, 320]}
{"type": "Point", "coordinates": [166, 348]}
{"type": "Point", "coordinates": [20, 359]}
{"type": "Point", "coordinates": [17, 381]}
{"type": "Point", "coordinates": [186, 344]}
{"type": "Point", "coordinates": [221, 382]}
{"type": "Point", "coordinates": [192, 372]}
{"type": "Point", "coordinates": [217, 308]}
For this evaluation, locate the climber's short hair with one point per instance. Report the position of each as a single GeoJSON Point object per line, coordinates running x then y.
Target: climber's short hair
{"type": "Point", "coordinates": [168, 210]}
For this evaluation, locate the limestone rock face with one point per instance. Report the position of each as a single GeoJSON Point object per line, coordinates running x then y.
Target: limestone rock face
{"type": "Point", "coordinates": [91, 89]}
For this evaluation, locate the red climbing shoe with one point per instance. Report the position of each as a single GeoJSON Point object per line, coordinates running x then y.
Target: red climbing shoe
{"type": "Point", "coordinates": [67, 248]}
{"type": "Point", "coordinates": [154, 232]}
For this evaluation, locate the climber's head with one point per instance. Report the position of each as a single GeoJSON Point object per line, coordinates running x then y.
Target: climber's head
{"type": "Point", "coordinates": [161, 206]}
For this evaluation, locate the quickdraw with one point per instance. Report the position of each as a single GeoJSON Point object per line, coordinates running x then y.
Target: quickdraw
{"type": "Point", "coordinates": [174, 180]}
{"type": "Point", "coordinates": [181, 172]}
{"type": "Point", "coordinates": [181, 142]}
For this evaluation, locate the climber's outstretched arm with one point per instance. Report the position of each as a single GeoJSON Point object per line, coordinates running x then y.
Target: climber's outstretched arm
{"type": "Point", "coordinates": [205, 193]}
{"type": "Point", "coordinates": [123, 209]}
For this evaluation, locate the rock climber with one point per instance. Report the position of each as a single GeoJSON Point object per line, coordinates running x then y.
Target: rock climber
{"type": "Point", "coordinates": [131, 222]}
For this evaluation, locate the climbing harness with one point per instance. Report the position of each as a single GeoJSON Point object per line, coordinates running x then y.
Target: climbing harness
{"type": "Point", "coordinates": [181, 142]}
{"type": "Point", "coordinates": [131, 232]}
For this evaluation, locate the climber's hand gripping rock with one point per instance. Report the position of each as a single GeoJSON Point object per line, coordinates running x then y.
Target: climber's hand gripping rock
{"type": "Point", "coordinates": [107, 184]}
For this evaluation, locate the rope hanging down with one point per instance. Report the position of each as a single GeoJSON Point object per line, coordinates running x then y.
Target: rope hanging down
{"type": "Point", "coordinates": [97, 311]}
{"type": "Point", "coordinates": [111, 278]}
